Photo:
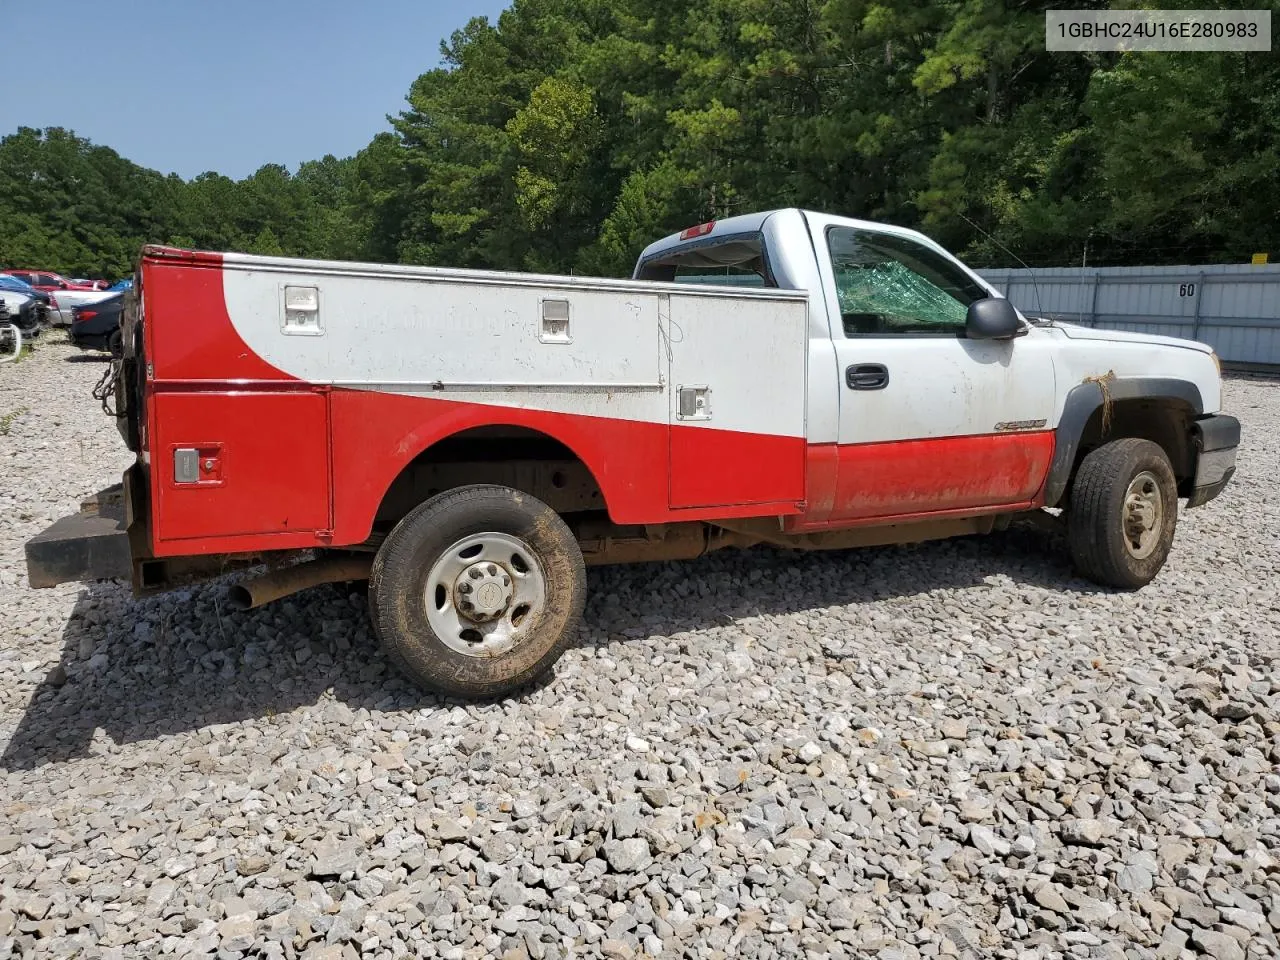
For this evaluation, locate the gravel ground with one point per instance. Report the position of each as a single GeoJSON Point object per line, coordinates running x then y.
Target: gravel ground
{"type": "Point", "coordinates": [957, 749]}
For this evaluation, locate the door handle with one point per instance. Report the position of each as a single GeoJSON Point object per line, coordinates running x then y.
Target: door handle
{"type": "Point", "coordinates": [867, 376]}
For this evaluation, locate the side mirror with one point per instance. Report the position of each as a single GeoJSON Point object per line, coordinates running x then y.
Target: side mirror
{"type": "Point", "coordinates": [993, 318]}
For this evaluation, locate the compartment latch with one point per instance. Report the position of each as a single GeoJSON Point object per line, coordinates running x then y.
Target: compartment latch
{"type": "Point", "coordinates": [693, 402]}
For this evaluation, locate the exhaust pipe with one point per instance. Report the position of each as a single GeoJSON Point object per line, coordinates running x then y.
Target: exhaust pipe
{"type": "Point", "coordinates": [280, 583]}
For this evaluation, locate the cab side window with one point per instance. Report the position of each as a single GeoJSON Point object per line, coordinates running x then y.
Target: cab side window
{"type": "Point", "coordinates": [890, 285]}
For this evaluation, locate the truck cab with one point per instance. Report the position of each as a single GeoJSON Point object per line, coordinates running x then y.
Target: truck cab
{"type": "Point", "coordinates": [912, 409]}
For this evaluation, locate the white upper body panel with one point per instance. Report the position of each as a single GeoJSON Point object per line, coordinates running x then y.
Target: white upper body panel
{"type": "Point", "coordinates": [478, 336]}
{"type": "Point", "coordinates": [1077, 332]}
{"type": "Point", "coordinates": [1066, 353]}
{"type": "Point", "coordinates": [1082, 353]}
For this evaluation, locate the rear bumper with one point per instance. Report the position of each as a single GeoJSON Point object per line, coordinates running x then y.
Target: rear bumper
{"type": "Point", "coordinates": [90, 545]}
{"type": "Point", "coordinates": [88, 341]}
{"type": "Point", "coordinates": [110, 539]}
{"type": "Point", "coordinates": [1217, 438]}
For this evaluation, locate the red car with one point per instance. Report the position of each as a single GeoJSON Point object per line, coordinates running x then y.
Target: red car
{"type": "Point", "coordinates": [47, 282]}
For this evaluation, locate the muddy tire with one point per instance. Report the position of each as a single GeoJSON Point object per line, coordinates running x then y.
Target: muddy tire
{"type": "Point", "coordinates": [1123, 512]}
{"type": "Point", "coordinates": [478, 591]}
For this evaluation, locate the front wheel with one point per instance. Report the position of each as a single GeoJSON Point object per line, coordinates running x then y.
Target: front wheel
{"type": "Point", "coordinates": [478, 591]}
{"type": "Point", "coordinates": [1124, 509]}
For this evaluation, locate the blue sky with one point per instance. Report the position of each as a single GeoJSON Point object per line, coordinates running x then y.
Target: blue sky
{"type": "Point", "coordinates": [192, 85]}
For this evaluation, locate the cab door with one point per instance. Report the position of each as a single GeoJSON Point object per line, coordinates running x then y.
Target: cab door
{"type": "Point", "coordinates": [929, 420]}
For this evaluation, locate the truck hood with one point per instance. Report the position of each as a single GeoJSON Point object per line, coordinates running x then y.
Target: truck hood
{"type": "Point", "coordinates": [1077, 332]}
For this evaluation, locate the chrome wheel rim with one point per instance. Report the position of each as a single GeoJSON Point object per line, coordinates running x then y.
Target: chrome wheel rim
{"type": "Point", "coordinates": [484, 594]}
{"type": "Point", "coordinates": [1143, 518]}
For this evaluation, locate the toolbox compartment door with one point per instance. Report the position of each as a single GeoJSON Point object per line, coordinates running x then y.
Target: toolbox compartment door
{"type": "Point", "coordinates": [738, 394]}
{"type": "Point", "coordinates": [232, 464]}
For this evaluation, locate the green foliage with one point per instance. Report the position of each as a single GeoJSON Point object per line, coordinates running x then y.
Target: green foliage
{"type": "Point", "coordinates": [82, 210]}
{"type": "Point", "coordinates": [570, 133]}
{"type": "Point", "coordinates": [552, 135]}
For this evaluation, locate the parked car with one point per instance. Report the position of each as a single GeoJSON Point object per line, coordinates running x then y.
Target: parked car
{"type": "Point", "coordinates": [9, 282]}
{"type": "Point", "coordinates": [121, 285]}
{"type": "Point", "coordinates": [24, 312]}
{"type": "Point", "coordinates": [65, 301]}
{"type": "Point", "coordinates": [51, 282]}
{"type": "Point", "coordinates": [96, 326]}
{"type": "Point", "coordinates": [12, 285]}
{"type": "Point", "coordinates": [61, 294]}
{"type": "Point", "coordinates": [28, 307]}
{"type": "Point", "coordinates": [91, 284]}
{"type": "Point", "coordinates": [47, 281]}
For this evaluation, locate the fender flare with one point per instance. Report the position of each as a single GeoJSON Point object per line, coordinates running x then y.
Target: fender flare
{"type": "Point", "coordinates": [1081, 403]}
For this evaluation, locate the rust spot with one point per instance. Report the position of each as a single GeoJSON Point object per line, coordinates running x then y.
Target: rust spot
{"type": "Point", "coordinates": [1104, 381]}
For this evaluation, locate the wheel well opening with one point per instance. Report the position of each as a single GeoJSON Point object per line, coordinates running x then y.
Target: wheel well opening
{"type": "Point", "coordinates": [1165, 421]}
{"type": "Point", "coordinates": [517, 457]}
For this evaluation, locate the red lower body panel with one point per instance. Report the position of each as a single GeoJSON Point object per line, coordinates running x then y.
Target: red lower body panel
{"type": "Point", "coordinates": [262, 470]}
{"type": "Point", "coordinates": [648, 472]}
{"type": "Point", "coordinates": [310, 466]}
{"type": "Point", "coordinates": [712, 468]}
{"type": "Point", "coordinates": [951, 474]}
{"type": "Point", "coordinates": [287, 467]}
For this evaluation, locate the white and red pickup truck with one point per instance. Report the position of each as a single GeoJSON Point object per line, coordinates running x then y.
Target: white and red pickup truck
{"type": "Point", "coordinates": [468, 441]}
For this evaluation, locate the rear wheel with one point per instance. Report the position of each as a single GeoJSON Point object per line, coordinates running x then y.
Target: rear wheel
{"type": "Point", "coordinates": [115, 345]}
{"type": "Point", "coordinates": [478, 591]}
{"type": "Point", "coordinates": [1123, 513]}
